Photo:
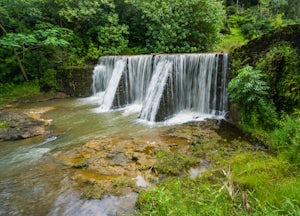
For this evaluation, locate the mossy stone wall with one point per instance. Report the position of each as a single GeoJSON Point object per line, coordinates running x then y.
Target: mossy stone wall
{"type": "Point", "coordinates": [76, 81]}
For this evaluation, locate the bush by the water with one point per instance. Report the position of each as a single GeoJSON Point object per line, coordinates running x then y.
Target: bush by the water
{"type": "Point", "coordinates": [249, 92]}
{"type": "Point", "coordinates": [10, 91]}
{"type": "Point", "coordinates": [281, 64]}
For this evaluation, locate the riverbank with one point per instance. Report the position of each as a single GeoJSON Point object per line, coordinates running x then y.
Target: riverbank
{"type": "Point", "coordinates": [207, 167]}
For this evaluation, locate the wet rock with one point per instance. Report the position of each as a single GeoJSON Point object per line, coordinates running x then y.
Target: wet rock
{"type": "Point", "coordinates": [16, 125]}
{"type": "Point", "coordinates": [75, 81]}
{"type": "Point", "coordinates": [119, 159]}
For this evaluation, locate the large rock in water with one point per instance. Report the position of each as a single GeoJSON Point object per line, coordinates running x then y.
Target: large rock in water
{"type": "Point", "coordinates": [16, 125]}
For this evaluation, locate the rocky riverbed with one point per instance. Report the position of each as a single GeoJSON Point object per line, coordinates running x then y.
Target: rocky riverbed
{"type": "Point", "coordinates": [122, 164]}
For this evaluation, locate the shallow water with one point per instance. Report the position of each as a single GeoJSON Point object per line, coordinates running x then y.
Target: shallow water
{"type": "Point", "coordinates": [34, 183]}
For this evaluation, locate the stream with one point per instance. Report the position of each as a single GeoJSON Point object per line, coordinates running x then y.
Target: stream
{"type": "Point", "coordinates": [33, 182]}
{"type": "Point", "coordinates": [38, 176]}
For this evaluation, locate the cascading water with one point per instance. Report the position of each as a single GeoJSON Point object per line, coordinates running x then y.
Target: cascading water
{"type": "Point", "coordinates": [197, 84]}
{"type": "Point", "coordinates": [223, 99]}
{"type": "Point", "coordinates": [111, 89]}
{"type": "Point", "coordinates": [156, 88]}
{"type": "Point", "coordinates": [102, 73]}
{"type": "Point", "coordinates": [139, 72]}
{"type": "Point", "coordinates": [131, 81]}
{"type": "Point", "coordinates": [164, 85]}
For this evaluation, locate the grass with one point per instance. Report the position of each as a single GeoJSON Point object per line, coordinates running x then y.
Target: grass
{"type": "Point", "coordinates": [3, 124]}
{"type": "Point", "coordinates": [242, 180]}
{"type": "Point", "coordinates": [173, 163]}
{"type": "Point", "coordinates": [93, 192]}
{"type": "Point", "coordinates": [285, 140]}
{"type": "Point", "coordinates": [80, 165]}
{"type": "Point", "coordinates": [232, 40]}
{"type": "Point", "coordinates": [10, 92]}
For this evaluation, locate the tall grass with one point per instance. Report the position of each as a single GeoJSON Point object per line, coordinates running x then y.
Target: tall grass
{"type": "Point", "coordinates": [10, 92]}
{"type": "Point", "coordinates": [285, 140]}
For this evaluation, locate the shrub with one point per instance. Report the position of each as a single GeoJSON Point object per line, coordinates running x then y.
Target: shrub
{"type": "Point", "coordinates": [48, 81]}
{"type": "Point", "coordinates": [249, 92]}
{"type": "Point", "coordinates": [286, 138]}
{"type": "Point", "coordinates": [10, 92]}
{"type": "Point", "coordinates": [281, 63]}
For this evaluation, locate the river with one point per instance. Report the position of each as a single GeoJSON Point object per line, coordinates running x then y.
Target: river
{"type": "Point", "coordinates": [34, 182]}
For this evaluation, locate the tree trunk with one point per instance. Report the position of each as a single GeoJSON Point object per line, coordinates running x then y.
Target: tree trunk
{"type": "Point", "coordinates": [17, 57]}
{"type": "Point", "coordinates": [21, 65]}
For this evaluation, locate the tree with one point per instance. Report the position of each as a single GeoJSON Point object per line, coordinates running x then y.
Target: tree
{"type": "Point", "coordinates": [24, 31]}
{"type": "Point", "coordinates": [22, 43]}
{"type": "Point", "coordinates": [181, 26]}
{"type": "Point", "coordinates": [95, 23]}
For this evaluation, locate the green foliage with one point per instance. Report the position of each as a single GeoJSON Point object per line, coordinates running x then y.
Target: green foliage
{"type": "Point", "coordinates": [181, 26]}
{"type": "Point", "coordinates": [38, 35]}
{"type": "Point", "coordinates": [281, 63]}
{"type": "Point", "coordinates": [3, 125]}
{"type": "Point", "coordinates": [258, 17]}
{"type": "Point", "coordinates": [10, 92]}
{"type": "Point", "coordinates": [80, 164]}
{"type": "Point", "coordinates": [184, 196]}
{"type": "Point", "coordinates": [232, 40]}
{"type": "Point", "coordinates": [244, 183]}
{"type": "Point", "coordinates": [48, 81]}
{"type": "Point", "coordinates": [173, 163]}
{"type": "Point", "coordinates": [285, 139]}
{"type": "Point", "coordinates": [268, 181]}
{"type": "Point", "coordinates": [249, 92]}
{"type": "Point", "coordinates": [94, 192]}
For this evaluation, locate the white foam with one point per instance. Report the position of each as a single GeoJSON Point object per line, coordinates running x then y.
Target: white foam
{"type": "Point", "coordinates": [94, 99]}
{"type": "Point", "coordinates": [131, 109]}
{"type": "Point", "coordinates": [187, 116]}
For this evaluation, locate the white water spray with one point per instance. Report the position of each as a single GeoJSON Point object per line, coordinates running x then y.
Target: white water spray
{"type": "Point", "coordinates": [109, 94]}
{"type": "Point", "coordinates": [155, 90]}
{"type": "Point", "coordinates": [164, 85]}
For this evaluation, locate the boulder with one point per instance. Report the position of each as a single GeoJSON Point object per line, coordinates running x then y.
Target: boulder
{"type": "Point", "coordinates": [16, 125]}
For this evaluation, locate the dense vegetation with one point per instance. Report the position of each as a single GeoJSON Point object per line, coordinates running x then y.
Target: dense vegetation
{"type": "Point", "coordinates": [38, 37]}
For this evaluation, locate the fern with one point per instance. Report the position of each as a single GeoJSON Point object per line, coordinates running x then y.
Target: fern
{"type": "Point", "coordinates": [249, 92]}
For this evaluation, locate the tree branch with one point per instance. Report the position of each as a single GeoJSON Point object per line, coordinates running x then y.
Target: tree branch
{"type": "Point", "coordinates": [17, 56]}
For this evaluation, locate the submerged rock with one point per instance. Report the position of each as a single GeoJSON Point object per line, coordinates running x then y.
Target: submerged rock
{"type": "Point", "coordinates": [16, 125]}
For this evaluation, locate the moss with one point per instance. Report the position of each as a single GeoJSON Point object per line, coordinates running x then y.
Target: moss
{"type": "Point", "coordinates": [3, 124]}
{"type": "Point", "coordinates": [93, 192]}
{"type": "Point", "coordinates": [249, 53]}
{"type": "Point", "coordinates": [173, 163]}
{"type": "Point", "coordinates": [80, 164]}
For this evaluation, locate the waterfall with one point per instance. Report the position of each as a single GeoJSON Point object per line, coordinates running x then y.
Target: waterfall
{"type": "Point", "coordinates": [110, 92]}
{"type": "Point", "coordinates": [139, 72]}
{"type": "Point", "coordinates": [131, 82]}
{"type": "Point", "coordinates": [102, 74]}
{"type": "Point", "coordinates": [155, 90]}
{"type": "Point", "coordinates": [164, 85]}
